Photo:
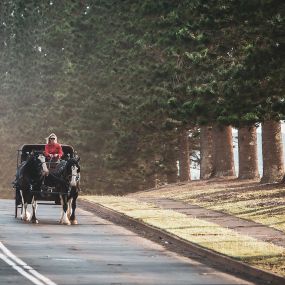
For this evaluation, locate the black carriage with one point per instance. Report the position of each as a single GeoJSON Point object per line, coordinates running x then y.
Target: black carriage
{"type": "Point", "coordinates": [47, 193]}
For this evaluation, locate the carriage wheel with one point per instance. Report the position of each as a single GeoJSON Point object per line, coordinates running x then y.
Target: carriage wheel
{"type": "Point", "coordinates": [16, 209]}
{"type": "Point", "coordinates": [17, 204]}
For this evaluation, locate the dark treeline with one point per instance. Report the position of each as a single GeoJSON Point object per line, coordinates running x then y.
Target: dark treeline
{"type": "Point", "coordinates": [126, 82]}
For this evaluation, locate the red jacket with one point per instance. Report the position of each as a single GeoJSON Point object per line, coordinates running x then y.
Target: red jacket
{"type": "Point", "coordinates": [53, 149]}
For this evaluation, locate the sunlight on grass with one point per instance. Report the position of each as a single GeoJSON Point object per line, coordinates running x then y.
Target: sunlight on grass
{"type": "Point", "coordinates": [203, 233]}
{"type": "Point", "coordinates": [265, 206]}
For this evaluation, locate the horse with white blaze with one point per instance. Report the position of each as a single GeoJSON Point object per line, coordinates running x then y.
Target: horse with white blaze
{"type": "Point", "coordinates": [37, 180]}
{"type": "Point", "coordinates": [29, 178]}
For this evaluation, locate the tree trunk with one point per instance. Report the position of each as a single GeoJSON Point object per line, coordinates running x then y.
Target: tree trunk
{"type": "Point", "coordinates": [272, 152]}
{"type": "Point", "coordinates": [247, 152]}
{"type": "Point", "coordinates": [206, 152]}
{"type": "Point", "coordinates": [184, 156]}
{"type": "Point", "coordinates": [223, 151]}
{"type": "Point", "coordinates": [150, 181]}
{"type": "Point", "coordinates": [171, 166]}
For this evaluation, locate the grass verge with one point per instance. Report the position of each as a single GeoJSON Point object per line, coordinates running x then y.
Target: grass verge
{"type": "Point", "coordinates": [260, 254]}
{"type": "Point", "coordinates": [263, 204]}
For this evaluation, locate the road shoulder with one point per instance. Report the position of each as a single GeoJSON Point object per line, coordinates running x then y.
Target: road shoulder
{"type": "Point", "coordinates": [181, 246]}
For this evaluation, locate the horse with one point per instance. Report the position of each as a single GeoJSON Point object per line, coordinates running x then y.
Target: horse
{"type": "Point", "coordinates": [29, 177]}
{"type": "Point", "coordinates": [66, 178]}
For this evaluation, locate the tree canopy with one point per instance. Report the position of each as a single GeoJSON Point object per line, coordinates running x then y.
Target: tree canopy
{"type": "Point", "coordinates": [119, 79]}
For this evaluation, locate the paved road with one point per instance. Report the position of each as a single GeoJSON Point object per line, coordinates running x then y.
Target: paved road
{"type": "Point", "coordinates": [93, 252]}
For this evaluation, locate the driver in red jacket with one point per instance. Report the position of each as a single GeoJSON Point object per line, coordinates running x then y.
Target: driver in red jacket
{"type": "Point", "coordinates": [53, 149]}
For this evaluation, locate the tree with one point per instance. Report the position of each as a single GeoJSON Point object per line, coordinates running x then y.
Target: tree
{"type": "Point", "coordinates": [184, 156]}
{"type": "Point", "coordinates": [223, 152]}
{"type": "Point", "coordinates": [247, 149]}
{"type": "Point", "coordinates": [272, 152]}
{"type": "Point", "coordinates": [207, 152]}
{"type": "Point", "coordinates": [118, 78]}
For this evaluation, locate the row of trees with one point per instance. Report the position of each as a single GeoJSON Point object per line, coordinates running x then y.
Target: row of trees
{"type": "Point", "coordinates": [125, 81]}
{"type": "Point", "coordinates": [217, 157]}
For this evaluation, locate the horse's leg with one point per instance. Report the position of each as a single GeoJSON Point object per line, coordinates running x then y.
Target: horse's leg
{"type": "Point", "coordinates": [69, 201]}
{"type": "Point", "coordinates": [22, 201]}
{"type": "Point", "coordinates": [26, 216]}
{"type": "Point", "coordinates": [64, 219]}
{"type": "Point", "coordinates": [35, 206]}
{"type": "Point", "coordinates": [73, 207]}
{"type": "Point", "coordinates": [61, 203]}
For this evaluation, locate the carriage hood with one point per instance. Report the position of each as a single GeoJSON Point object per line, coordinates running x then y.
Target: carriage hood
{"type": "Point", "coordinates": [52, 135]}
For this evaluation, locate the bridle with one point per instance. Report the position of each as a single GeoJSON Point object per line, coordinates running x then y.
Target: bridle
{"type": "Point", "coordinates": [74, 175]}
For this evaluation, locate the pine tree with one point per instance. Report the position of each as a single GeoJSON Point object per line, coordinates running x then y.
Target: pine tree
{"type": "Point", "coordinates": [207, 152]}
{"type": "Point", "coordinates": [184, 156]}
{"type": "Point", "coordinates": [247, 149]}
{"type": "Point", "coordinates": [223, 152]}
{"type": "Point", "coordinates": [272, 152]}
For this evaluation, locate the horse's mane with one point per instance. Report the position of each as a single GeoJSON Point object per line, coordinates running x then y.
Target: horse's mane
{"type": "Point", "coordinates": [64, 165]}
{"type": "Point", "coordinates": [72, 161]}
{"type": "Point", "coordinates": [29, 161]}
{"type": "Point", "coordinates": [26, 168]}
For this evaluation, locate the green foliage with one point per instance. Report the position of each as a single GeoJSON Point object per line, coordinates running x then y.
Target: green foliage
{"type": "Point", "coordinates": [118, 79]}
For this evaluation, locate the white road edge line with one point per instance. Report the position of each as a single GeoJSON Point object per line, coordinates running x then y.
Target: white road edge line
{"type": "Point", "coordinates": [16, 262]}
{"type": "Point", "coordinates": [20, 270]}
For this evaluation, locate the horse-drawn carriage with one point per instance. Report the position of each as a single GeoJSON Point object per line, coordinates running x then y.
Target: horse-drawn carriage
{"type": "Point", "coordinates": [39, 179]}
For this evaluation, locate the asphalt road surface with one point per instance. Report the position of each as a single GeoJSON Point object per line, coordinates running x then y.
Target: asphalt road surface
{"type": "Point", "coordinates": [93, 252]}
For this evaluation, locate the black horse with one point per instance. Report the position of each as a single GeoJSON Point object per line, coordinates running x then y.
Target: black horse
{"type": "Point", "coordinates": [29, 178]}
{"type": "Point", "coordinates": [66, 179]}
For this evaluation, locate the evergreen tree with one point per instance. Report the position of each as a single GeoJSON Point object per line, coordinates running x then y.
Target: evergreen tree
{"type": "Point", "coordinates": [119, 79]}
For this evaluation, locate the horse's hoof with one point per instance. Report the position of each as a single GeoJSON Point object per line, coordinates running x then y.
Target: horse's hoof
{"type": "Point", "coordinates": [62, 222]}
{"type": "Point", "coordinates": [35, 221]}
{"type": "Point", "coordinates": [26, 219]}
{"type": "Point", "coordinates": [74, 222]}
